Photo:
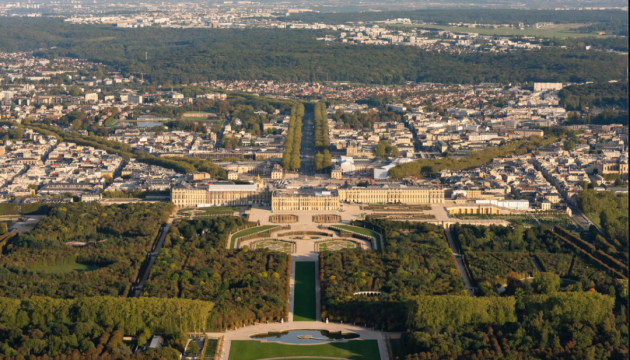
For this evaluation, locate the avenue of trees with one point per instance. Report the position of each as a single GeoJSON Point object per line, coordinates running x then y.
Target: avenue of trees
{"type": "Point", "coordinates": [246, 286]}
{"type": "Point", "coordinates": [323, 159]}
{"type": "Point", "coordinates": [416, 261]}
{"type": "Point", "coordinates": [184, 56]}
{"type": "Point", "coordinates": [180, 164]}
{"type": "Point", "coordinates": [293, 142]}
{"type": "Point", "coordinates": [322, 141]}
{"type": "Point", "coordinates": [110, 246]}
{"type": "Point", "coordinates": [93, 327]}
{"type": "Point", "coordinates": [427, 167]}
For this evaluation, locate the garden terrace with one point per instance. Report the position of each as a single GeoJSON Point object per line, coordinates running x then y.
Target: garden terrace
{"type": "Point", "coordinates": [396, 208]}
{"type": "Point", "coordinates": [402, 216]}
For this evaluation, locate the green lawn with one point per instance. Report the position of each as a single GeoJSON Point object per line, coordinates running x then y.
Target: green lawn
{"type": "Point", "coordinates": [363, 231]}
{"type": "Point", "coordinates": [65, 268]}
{"type": "Point", "coordinates": [250, 231]}
{"type": "Point", "coordinates": [305, 305]}
{"type": "Point", "coordinates": [353, 349]}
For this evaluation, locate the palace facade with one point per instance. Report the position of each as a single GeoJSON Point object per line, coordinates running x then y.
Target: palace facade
{"type": "Point", "coordinates": [220, 194]}
{"type": "Point", "coordinates": [283, 201]}
{"type": "Point", "coordinates": [391, 194]}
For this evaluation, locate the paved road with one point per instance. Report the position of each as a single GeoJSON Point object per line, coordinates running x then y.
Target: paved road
{"type": "Point", "coordinates": [459, 259]}
{"type": "Point", "coordinates": [307, 150]}
{"type": "Point", "coordinates": [151, 258]}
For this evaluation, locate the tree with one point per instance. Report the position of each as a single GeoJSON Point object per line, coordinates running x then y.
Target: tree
{"type": "Point", "coordinates": [193, 348]}
{"type": "Point", "coordinates": [394, 152]}
{"type": "Point", "coordinates": [381, 149]}
{"type": "Point", "coordinates": [546, 283]}
{"type": "Point", "coordinates": [318, 161]}
{"type": "Point", "coordinates": [3, 228]}
{"type": "Point", "coordinates": [569, 145]}
{"type": "Point", "coordinates": [327, 160]}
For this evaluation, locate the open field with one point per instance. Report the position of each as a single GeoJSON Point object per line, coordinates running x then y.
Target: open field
{"type": "Point", "coordinates": [557, 31]}
{"type": "Point", "coordinates": [353, 349]}
{"type": "Point", "coordinates": [305, 302]}
{"type": "Point", "coordinates": [65, 268]}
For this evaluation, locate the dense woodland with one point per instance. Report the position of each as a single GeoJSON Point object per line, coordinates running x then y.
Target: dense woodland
{"type": "Point", "coordinates": [602, 95]}
{"type": "Point", "coordinates": [93, 327]}
{"type": "Point", "coordinates": [495, 253]}
{"type": "Point", "coordinates": [178, 56]}
{"type": "Point", "coordinates": [293, 142]}
{"type": "Point", "coordinates": [610, 212]}
{"type": "Point", "coordinates": [534, 318]}
{"type": "Point", "coordinates": [416, 261]}
{"type": "Point", "coordinates": [246, 286]}
{"type": "Point", "coordinates": [559, 325]}
{"type": "Point", "coordinates": [111, 243]}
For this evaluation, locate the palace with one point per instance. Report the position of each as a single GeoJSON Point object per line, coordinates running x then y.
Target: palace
{"type": "Point", "coordinates": [228, 193]}
{"type": "Point", "coordinates": [392, 194]}
{"type": "Point", "coordinates": [283, 201]}
{"type": "Point", "coordinates": [219, 194]}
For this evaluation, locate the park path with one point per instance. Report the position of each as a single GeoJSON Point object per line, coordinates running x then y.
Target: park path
{"type": "Point", "coordinates": [152, 256]}
{"type": "Point", "coordinates": [459, 259]}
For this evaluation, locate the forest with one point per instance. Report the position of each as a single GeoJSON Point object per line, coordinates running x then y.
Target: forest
{"type": "Point", "coordinates": [416, 261]}
{"type": "Point", "coordinates": [182, 56]}
{"type": "Point", "coordinates": [496, 253]}
{"type": "Point", "coordinates": [293, 142]}
{"type": "Point", "coordinates": [81, 250]}
{"type": "Point", "coordinates": [609, 211]}
{"type": "Point", "coordinates": [602, 95]}
{"type": "Point", "coordinates": [93, 327]}
{"type": "Point", "coordinates": [246, 286]}
{"type": "Point", "coordinates": [560, 325]}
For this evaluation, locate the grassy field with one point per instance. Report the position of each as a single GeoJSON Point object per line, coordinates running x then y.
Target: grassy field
{"type": "Point", "coordinates": [558, 31]}
{"type": "Point", "coordinates": [353, 349]}
{"type": "Point", "coordinates": [65, 268]}
{"type": "Point", "coordinates": [249, 232]}
{"type": "Point", "coordinates": [304, 308]}
{"type": "Point", "coordinates": [363, 231]}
